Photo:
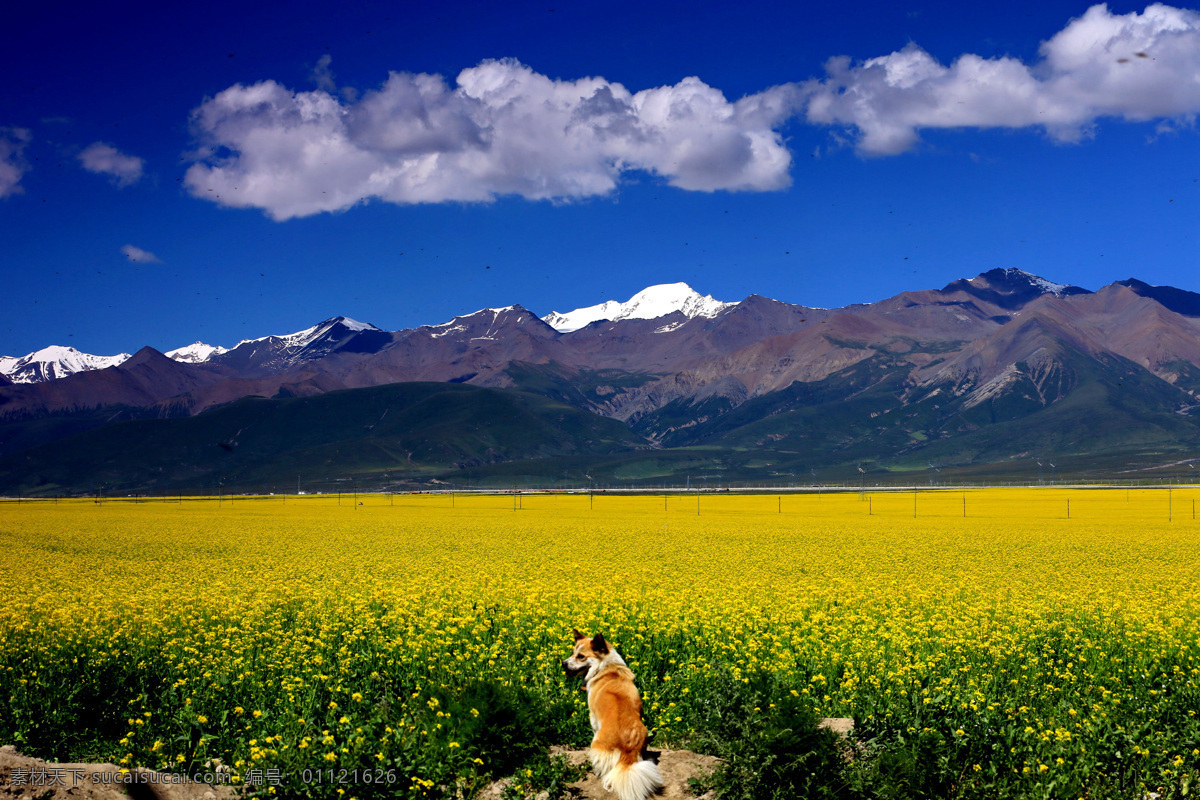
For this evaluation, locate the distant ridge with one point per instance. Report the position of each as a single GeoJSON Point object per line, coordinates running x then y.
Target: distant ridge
{"type": "Point", "coordinates": [983, 372]}
{"type": "Point", "coordinates": [1178, 300]}
{"type": "Point", "coordinates": [650, 303]}
{"type": "Point", "coordinates": [1011, 288]}
{"type": "Point", "coordinates": [54, 362]}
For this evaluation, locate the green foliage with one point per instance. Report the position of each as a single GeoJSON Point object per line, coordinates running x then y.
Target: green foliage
{"type": "Point", "coordinates": [506, 726]}
{"type": "Point", "coordinates": [407, 429]}
{"type": "Point", "coordinates": [769, 739]}
{"type": "Point", "coordinates": [543, 773]}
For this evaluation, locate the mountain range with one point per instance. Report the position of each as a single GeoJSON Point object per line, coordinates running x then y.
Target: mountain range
{"type": "Point", "coordinates": [986, 375]}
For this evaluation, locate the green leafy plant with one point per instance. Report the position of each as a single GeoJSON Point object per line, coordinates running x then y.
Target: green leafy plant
{"type": "Point", "coordinates": [545, 773]}
{"type": "Point", "coordinates": [769, 740]}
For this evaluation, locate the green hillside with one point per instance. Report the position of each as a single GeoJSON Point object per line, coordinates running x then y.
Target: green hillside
{"type": "Point", "coordinates": [1102, 416]}
{"type": "Point", "coordinates": [1113, 419]}
{"type": "Point", "coordinates": [409, 430]}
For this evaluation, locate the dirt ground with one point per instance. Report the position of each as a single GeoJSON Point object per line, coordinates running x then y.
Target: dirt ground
{"type": "Point", "coordinates": [677, 767]}
{"type": "Point", "coordinates": [25, 778]}
{"type": "Point", "coordinates": [33, 779]}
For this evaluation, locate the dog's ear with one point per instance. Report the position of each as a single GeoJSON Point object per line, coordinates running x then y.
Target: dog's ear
{"type": "Point", "coordinates": [599, 646]}
{"type": "Point", "coordinates": [578, 635]}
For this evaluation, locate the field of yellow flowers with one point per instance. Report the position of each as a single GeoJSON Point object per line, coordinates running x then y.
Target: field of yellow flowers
{"type": "Point", "coordinates": [993, 643]}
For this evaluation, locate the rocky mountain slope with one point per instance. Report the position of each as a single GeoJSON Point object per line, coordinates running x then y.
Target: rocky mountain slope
{"type": "Point", "coordinates": [995, 367]}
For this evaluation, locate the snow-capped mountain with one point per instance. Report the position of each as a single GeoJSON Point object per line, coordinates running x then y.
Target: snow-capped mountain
{"type": "Point", "coordinates": [309, 335]}
{"type": "Point", "coordinates": [1010, 287]}
{"type": "Point", "coordinates": [334, 329]}
{"type": "Point", "coordinates": [51, 363]}
{"type": "Point", "coordinates": [1056, 289]}
{"type": "Point", "coordinates": [54, 362]}
{"type": "Point", "coordinates": [270, 354]}
{"type": "Point", "coordinates": [195, 353]}
{"type": "Point", "coordinates": [1007, 289]}
{"type": "Point", "coordinates": [489, 318]}
{"type": "Point", "coordinates": [998, 369]}
{"type": "Point", "coordinates": [650, 303]}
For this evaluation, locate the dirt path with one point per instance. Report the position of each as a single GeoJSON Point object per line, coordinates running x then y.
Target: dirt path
{"type": "Point", "coordinates": [25, 778]}
{"type": "Point", "coordinates": [675, 766]}
{"type": "Point", "coordinates": [33, 779]}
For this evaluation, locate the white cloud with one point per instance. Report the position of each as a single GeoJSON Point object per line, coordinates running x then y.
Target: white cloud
{"type": "Point", "coordinates": [322, 76]}
{"type": "Point", "coordinates": [12, 165]}
{"type": "Point", "coordinates": [139, 256]}
{"type": "Point", "coordinates": [1132, 66]}
{"type": "Point", "coordinates": [104, 159]}
{"type": "Point", "coordinates": [502, 130]}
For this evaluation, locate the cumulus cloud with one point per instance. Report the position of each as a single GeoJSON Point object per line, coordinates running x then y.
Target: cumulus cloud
{"type": "Point", "coordinates": [1129, 66]}
{"type": "Point", "coordinates": [139, 256]}
{"type": "Point", "coordinates": [104, 159]}
{"type": "Point", "coordinates": [502, 129]}
{"type": "Point", "coordinates": [322, 76]}
{"type": "Point", "coordinates": [12, 164]}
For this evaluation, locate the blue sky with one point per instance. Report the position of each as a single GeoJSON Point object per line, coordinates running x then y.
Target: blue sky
{"type": "Point", "coordinates": [573, 162]}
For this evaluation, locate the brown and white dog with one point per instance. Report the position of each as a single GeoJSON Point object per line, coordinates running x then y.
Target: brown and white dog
{"type": "Point", "coordinates": [615, 709]}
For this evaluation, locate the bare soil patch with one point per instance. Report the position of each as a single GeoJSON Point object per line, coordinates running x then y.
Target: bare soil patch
{"type": "Point", "coordinates": [29, 778]}
{"type": "Point", "coordinates": [675, 766]}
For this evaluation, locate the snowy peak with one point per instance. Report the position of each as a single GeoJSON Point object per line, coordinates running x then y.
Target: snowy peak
{"type": "Point", "coordinates": [195, 353]}
{"type": "Point", "coordinates": [650, 303]}
{"type": "Point", "coordinates": [1018, 279]}
{"type": "Point", "coordinates": [1011, 288]}
{"type": "Point", "coordinates": [337, 327]}
{"type": "Point", "coordinates": [282, 351]}
{"type": "Point", "coordinates": [54, 362]}
{"type": "Point", "coordinates": [484, 324]}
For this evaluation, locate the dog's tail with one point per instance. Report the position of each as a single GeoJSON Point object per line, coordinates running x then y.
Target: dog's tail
{"type": "Point", "coordinates": [634, 781]}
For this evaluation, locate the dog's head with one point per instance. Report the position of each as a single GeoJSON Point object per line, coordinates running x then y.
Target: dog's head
{"type": "Point", "coordinates": [590, 654]}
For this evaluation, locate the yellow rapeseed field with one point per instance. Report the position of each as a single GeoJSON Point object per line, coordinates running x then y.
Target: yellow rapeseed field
{"type": "Point", "coordinates": [1051, 654]}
